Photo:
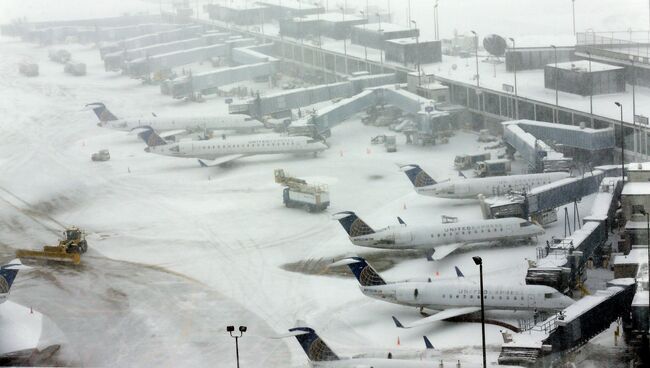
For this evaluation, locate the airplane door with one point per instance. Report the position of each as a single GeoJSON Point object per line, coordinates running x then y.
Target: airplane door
{"type": "Point", "coordinates": [532, 302]}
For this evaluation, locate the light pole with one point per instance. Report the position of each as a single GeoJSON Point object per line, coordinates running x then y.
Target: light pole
{"type": "Point", "coordinates": [514, 63]}
{"type": "Point", "coordinates": [634, 135]}
{"type": "Point", "coordinates": [591, 90]}
{"type": "Point", "coordinates": [556, 116]}
{"type": "Point", "coordinates": [479, 262]}
{"type": "Point", "coordinates": [320, 43]}
{"type": "Point", "coordinates": [365, 48]}
{"type": "Point", "coordinates": [435, 20]}
{"type": "Point", "coordinates": [417, 44]}
{"type": "Point", "coordinates": [230, 330]}
{"type": "Point", "coordinates": [620, 106]}
{"type": "Point", "coordinates": [476, 54]}
{"type": "Point", "coordinates": [409, 13]}
{"type": "Point", "coordinates": [345, 47]}
{"type": "Point", "coordinates": [573, 4]}
{"type": "Point", "coordinates": [381, 50]}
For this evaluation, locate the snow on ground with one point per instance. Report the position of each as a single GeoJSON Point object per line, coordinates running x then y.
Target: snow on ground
{"type": "Point", "coordinates": [224, 229]}
{"type": "Point", "coordinates": [21, 327]}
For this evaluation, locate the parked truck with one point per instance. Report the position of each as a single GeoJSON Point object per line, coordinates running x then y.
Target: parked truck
{"type": "Point", "coordinates": [492, 168]}
{"type": "Point", "coordinates": [28, 69]}
{"type": "Point", "coordinates": [298, 193]}
{"type": "Point", "coordinates": [61, 56]}
{"type": "Point", "coordinates": [75, 68]}
{"type": "Point", "coordinates": [464, 162]}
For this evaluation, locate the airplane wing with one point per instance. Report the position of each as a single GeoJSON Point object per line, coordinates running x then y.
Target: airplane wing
{"type": "Point", "coordinates": [220, 160]}
{"type": "Point", "coordinates": [171, 133]}
{"type": "Point", "coordinates": [441, 251]}
{"type": "Point", "coordinates": [440, 316]}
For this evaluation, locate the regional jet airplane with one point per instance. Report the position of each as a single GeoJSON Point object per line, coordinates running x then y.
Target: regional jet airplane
{"type": "Point", "coordinates": [219, 151]}
{"type": "Point", "coordinates": [472, 187]}
{"type": "Point", "coordinates": [439, 239]}
{"type": "Point", "coordinates": [169, 126]}
{"type": "Point", "coordinates": [453, 298]}
{"type": "Point", "coordinates": [8, 274]}
{"type": "Point", "coordinates": [322, 356]}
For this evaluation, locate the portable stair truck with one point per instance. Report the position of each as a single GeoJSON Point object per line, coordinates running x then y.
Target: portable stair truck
{"type": "Point", "coordinates": [298, 194]}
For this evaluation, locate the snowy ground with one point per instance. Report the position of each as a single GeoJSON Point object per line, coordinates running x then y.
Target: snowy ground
{"type": "Point", "coordinates": [178, 252]}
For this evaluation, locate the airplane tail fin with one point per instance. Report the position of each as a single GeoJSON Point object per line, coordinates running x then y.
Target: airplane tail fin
{"type": "Point", "coordinates": [8, 274]}
{"type": "Point", "coordinates": [151, 138]}
{"type": "Point", "coordinates": [365, 273]}
{"type": "Point", "coordinates": [315, 348]}
{"type": "Point", "coordinates": [103, 114]}
{"type": "Point", "coordinates": [352, 224]}
{"type": "Point", "coordinates": [418, 177]}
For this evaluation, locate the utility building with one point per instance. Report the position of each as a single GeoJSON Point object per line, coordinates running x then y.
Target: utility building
{"type": "Point", "coordinates": [238, 13]}
{"type": "Point", "coordinates": [581, 78]}
{"type": "Point", "coordinates": [374, 34]}
{"type": "Point", "coordinates": [411, 51]}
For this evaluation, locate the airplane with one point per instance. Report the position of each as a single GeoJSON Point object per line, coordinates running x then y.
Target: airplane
{"type": "Point", "coordinates": [320, 355]}
{"type": "Point", "coordinates": [8, 274]}
{"type": "Point", "coordinates": [452, 298]}
{"type": "Point", "coordinates": [175, 125]}
{"type": "Point", "coordinates": [440, 239]}
{"type": "Point", "coordinates": [220, 151]}
{"type": "Point", "coordinates": [472, 187]}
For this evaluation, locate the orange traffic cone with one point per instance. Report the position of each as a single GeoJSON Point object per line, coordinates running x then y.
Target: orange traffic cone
{"type": "Point", "coordinates": [398, 343]}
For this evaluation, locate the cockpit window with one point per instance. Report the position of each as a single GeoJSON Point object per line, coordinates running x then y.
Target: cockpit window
{"type": "Point", "coordinates": [548, 295]}
{"type": "Point", "coordinates": [175, 149]}
{"type": "Point", "coordinates": [525, 224]}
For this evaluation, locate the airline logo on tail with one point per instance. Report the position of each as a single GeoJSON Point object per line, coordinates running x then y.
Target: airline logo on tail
{"type": "Point", "coordinates": [102, 112]}
{"type": "Point", "coordinates": [8, 274]}
{"type": "Point", "coordinates": [315, 348]}
{"type": "Point", "coordinates": [418, 177]}
{"type": "Point", "coordinates": [364, 273]}
{"type": "Point", "coordinates": [151, 138]}
{"type": "Point", "coordinates": [352, 224]}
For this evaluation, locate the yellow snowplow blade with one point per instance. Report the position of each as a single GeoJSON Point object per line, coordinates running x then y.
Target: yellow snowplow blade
{"type": "Point", "coordinates": [49, 255]}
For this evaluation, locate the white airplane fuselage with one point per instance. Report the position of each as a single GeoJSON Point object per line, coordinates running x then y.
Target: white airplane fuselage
{"type": "Point", "coordinates": [196, 123]}
{"type": "Point", "coordinates": [245, 145]}
{"type": "Point", "coordinates": [490, 186]}
{"type": "Point", "coordinates": [441, 295]}
{"type": "Point", "coordinates": [414, 237]}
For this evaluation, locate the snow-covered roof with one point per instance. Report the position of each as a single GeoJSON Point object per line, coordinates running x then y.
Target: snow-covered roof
{"type": "Point", "coordinates": [636, 189]}
{"type": "Point", "coordinates": [638, 166]}
{"type": "Point", "coordinates": [583, 66]}
{"type": "Point", "coordinates": [333, 17]}
{"type": "Point", "coordinates": [640, 299]}
{"type": "Point", "coordinates": [410, 40]}
{"type": "Point", "coordinates": [636, 256]}
{"type": "Point", "coordinates": [386, 27]}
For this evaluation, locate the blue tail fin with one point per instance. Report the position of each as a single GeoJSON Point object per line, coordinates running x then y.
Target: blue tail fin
{"type": "Point", "coordinates": [427, 343]}
{"type": "Point", "coordinates": [314, 347]}
{"type": "Point", "coordinates": [458, 272]}
{"type": "Point", "coordinates": [150, 137]}
{"type": "Point", "coordinates": [8, 274]}
{"type": "Point", "coordinates": [365, 274]}
{"type": "Point", "coordinates": [418, 177]}
{"type": "Point", "coordinates": [353, 225]}
{"type": "Point", "coordinates": [101, 111]}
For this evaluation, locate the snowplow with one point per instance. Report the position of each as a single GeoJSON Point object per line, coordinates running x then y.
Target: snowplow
{"type": "Point", "coordinates": [69, 249]}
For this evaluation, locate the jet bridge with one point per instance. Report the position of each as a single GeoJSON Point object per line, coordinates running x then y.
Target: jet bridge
{"type": "Point", "coordinates": [300, 97]}
{"type": "Point", "coordinates": [261, 65]}
{"type": "Point", "coordinates": [152, 64]}
{"type": "Point", "coordinates": [149, 39]}
{"type": "Point", "coordinates": [332, 115]}
{"type": "Point", "coordinates": [561, 264]}
{"type": "Point", "coordinates": [549, 341]}
{"type": "Point", "coordinates": [531, 139]}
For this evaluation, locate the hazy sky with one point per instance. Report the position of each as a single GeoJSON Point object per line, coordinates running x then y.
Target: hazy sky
{"type": "Point", "coordinates": [530, 21]}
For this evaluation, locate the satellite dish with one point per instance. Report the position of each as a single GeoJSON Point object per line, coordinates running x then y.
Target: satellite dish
{"type": "Point", "coordinates": [495, 45]}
